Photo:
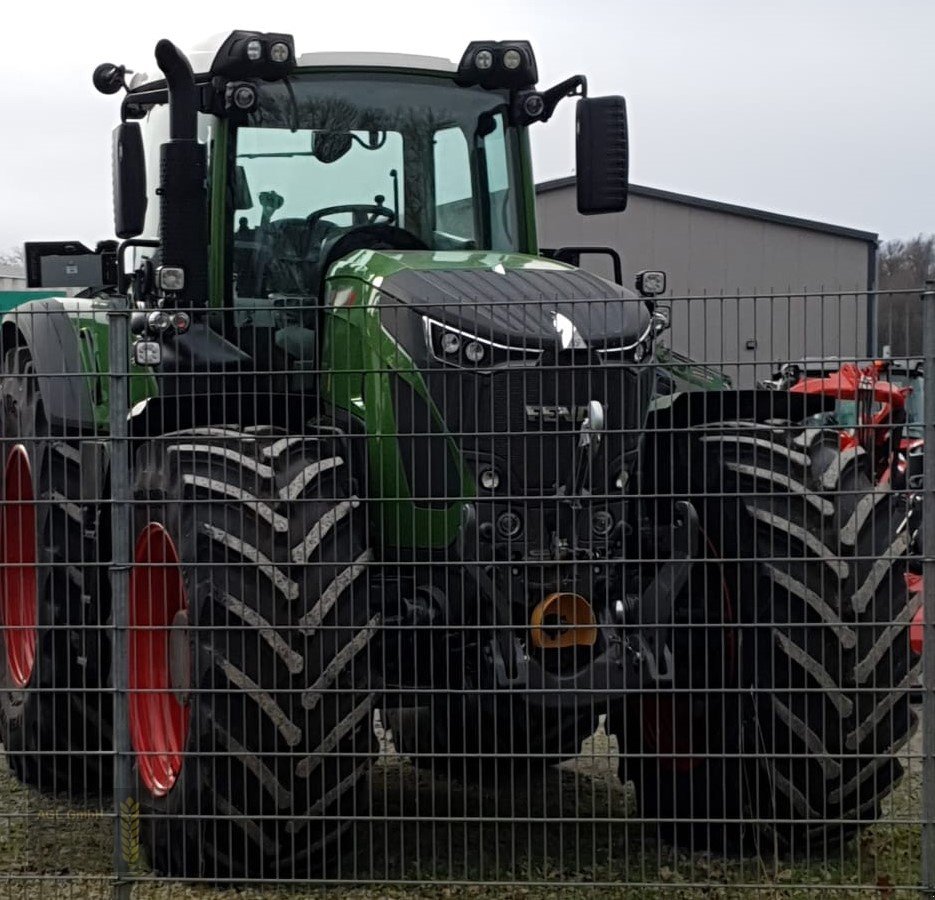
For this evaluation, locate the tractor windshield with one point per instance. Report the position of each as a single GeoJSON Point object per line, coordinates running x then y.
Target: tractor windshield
{"type": "Point", "coordinates": [406, 161]}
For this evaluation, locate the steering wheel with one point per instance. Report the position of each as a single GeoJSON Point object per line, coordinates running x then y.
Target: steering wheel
{"type": "Point", "coordinates": [367, 237]}
{"type": "Point", "coordinates": [362, 214]}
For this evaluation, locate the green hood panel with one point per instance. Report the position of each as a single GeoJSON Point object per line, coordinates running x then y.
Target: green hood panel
{"type": "Point", "coordinates": [360, 360]}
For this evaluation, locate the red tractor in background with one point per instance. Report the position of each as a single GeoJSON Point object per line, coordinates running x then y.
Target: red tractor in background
{"type": "Point", "coordinates": [878, 407]}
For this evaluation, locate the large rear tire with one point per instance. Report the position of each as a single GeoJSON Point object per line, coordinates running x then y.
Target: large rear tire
{"type": "Point", "coordinates": [795, 748]}
{"type": "Point", "coordinates": [55, 715]}
{"type": "Point", "coordinates": [267, 761]}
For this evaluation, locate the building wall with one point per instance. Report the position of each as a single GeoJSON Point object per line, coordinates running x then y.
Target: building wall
{"type": "Point", "coordinates": [715, 259]}
{"type": "Point", "coordinates": [13, 289]}
{"type": "Point", "coordinates": [11, 280]}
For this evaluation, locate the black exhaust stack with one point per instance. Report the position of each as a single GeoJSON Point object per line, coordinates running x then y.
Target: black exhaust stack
{"type": "Point", "coordinates": [183, 228]}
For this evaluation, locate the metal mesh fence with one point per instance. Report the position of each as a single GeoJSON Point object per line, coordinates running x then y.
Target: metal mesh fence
{"type": "Point", "coordinates": [411, 592]}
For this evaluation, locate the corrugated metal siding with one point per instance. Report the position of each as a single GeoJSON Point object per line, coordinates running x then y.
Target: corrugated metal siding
{"type": "Point", "coordinates": [12, 278]}
{"type": "Point", "coordinates": [709, 253]}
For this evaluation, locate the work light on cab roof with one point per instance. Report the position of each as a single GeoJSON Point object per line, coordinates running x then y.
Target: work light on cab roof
{"type": "Point", "coordinates": [498, 64]}
{"type": "Point", "coordinates": [249, 54]}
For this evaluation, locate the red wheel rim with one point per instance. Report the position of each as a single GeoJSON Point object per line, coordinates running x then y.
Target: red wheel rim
{"type": "Point", "coordinates": [19, 601]}
{"type": "Point", "coordinates": [158, 719]}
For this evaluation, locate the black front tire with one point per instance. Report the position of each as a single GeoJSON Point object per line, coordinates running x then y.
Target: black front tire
{"type": "Point", "coordinates": [283, 641]}
{"type": "Point", "coordinates": [795, 750]}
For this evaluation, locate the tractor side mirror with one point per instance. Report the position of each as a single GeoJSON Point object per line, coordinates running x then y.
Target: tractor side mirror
{"type": "Point", "coordinates": [602, 155]}
{"type": "Point", "coordinates": [129, 168]}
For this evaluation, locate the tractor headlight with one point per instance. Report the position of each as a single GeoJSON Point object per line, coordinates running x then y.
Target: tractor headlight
{"type": "Point", "coordinates": [158, 320]}
{"type": "Point", "coordinates": [474, 351]}
{"type": "Point", "coordinates": [455, 347]}
{"type": "Point", "coordinates": [450, 343]}
{"type": "Point", "coordinates": [635, 352]}
{"type": "Point", "coordinates": [489, 479]}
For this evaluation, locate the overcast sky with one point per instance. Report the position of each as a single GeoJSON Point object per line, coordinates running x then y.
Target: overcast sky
{"type": "Point", "coordinates": [815, 108]}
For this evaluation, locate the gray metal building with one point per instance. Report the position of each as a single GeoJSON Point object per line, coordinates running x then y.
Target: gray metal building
{"type": "Point", "coordinates": [12, 278]}
{"type": "Point", "coordinates": [717, 257]}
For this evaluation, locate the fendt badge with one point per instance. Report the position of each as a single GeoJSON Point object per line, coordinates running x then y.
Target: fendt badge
{"type": "Point", "coordinates": [556, 413]}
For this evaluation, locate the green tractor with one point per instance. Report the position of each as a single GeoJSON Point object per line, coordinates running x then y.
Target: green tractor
{"type": "Point", "coordinates": [386, 455]}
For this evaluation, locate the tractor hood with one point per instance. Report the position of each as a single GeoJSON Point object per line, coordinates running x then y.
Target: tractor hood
{"type": "Point", "coordinates": [508, 298]}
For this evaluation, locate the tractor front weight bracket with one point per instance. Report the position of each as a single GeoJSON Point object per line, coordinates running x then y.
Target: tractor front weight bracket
{"type": "Point", "coordinates": [648, 641]}
{"type": "Point", "coordinates": [605, 678]}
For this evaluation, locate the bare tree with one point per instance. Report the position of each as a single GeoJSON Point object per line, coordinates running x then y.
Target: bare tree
{"type": "Point", "coordinates": [12, 256]}
{"type": "Point", "coordinates": [903, 268]}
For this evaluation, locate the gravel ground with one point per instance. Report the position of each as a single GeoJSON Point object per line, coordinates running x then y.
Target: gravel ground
{"type": "Point", "coordinates": [434, 835]}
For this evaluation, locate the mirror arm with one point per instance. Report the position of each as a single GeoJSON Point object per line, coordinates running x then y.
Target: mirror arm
{"type": "Point", "coordinates": [137, 103]}
{"type": "Point", "coordinates": [576, 86]}
{"type": "Point", "coordinates": [528, 106]}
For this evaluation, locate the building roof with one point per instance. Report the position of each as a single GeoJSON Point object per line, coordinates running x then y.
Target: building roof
{"type": "Point", "coordinates": [749, 212]}
{"type": "Point", "coordinates": [9, 271]}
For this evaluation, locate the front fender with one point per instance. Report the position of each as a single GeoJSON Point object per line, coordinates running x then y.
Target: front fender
{"type": "Point", "coordinates": [689, 409]}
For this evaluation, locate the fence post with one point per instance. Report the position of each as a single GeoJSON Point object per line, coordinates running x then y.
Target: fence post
{"type": "Point", "coordinates": [126, 813]}
{"type": "Point", "coordinates": [928, 569]}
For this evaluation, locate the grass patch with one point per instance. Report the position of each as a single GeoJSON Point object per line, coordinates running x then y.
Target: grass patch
{"type": "Point", "coordinates": [573, 836]}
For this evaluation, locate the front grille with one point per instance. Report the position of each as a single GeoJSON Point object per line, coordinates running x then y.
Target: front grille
{"type": "Point", "coordinates": [525, 420]}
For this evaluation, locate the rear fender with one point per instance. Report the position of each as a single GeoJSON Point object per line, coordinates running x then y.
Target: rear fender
{"type": "Point", "coordinates": [64, 383]}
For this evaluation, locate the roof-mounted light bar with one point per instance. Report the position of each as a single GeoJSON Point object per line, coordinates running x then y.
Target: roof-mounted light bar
{"type": "Point", "coordinates": [250, 54]}
{"type": "Point", "coordinates": [498, 64]}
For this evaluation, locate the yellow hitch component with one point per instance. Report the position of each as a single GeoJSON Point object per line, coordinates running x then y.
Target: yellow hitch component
{"type": "Point", "coordinates": [563, 620]}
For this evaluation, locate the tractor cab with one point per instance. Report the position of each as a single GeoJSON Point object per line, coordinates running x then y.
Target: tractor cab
{"type": "Point", "coordinates": [250, 179]}
{"type": "Point", "coordinates": [305, 158]}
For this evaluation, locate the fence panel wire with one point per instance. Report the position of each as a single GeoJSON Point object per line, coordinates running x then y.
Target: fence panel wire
{"type": "Point", "coordinates": [527, 590]}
